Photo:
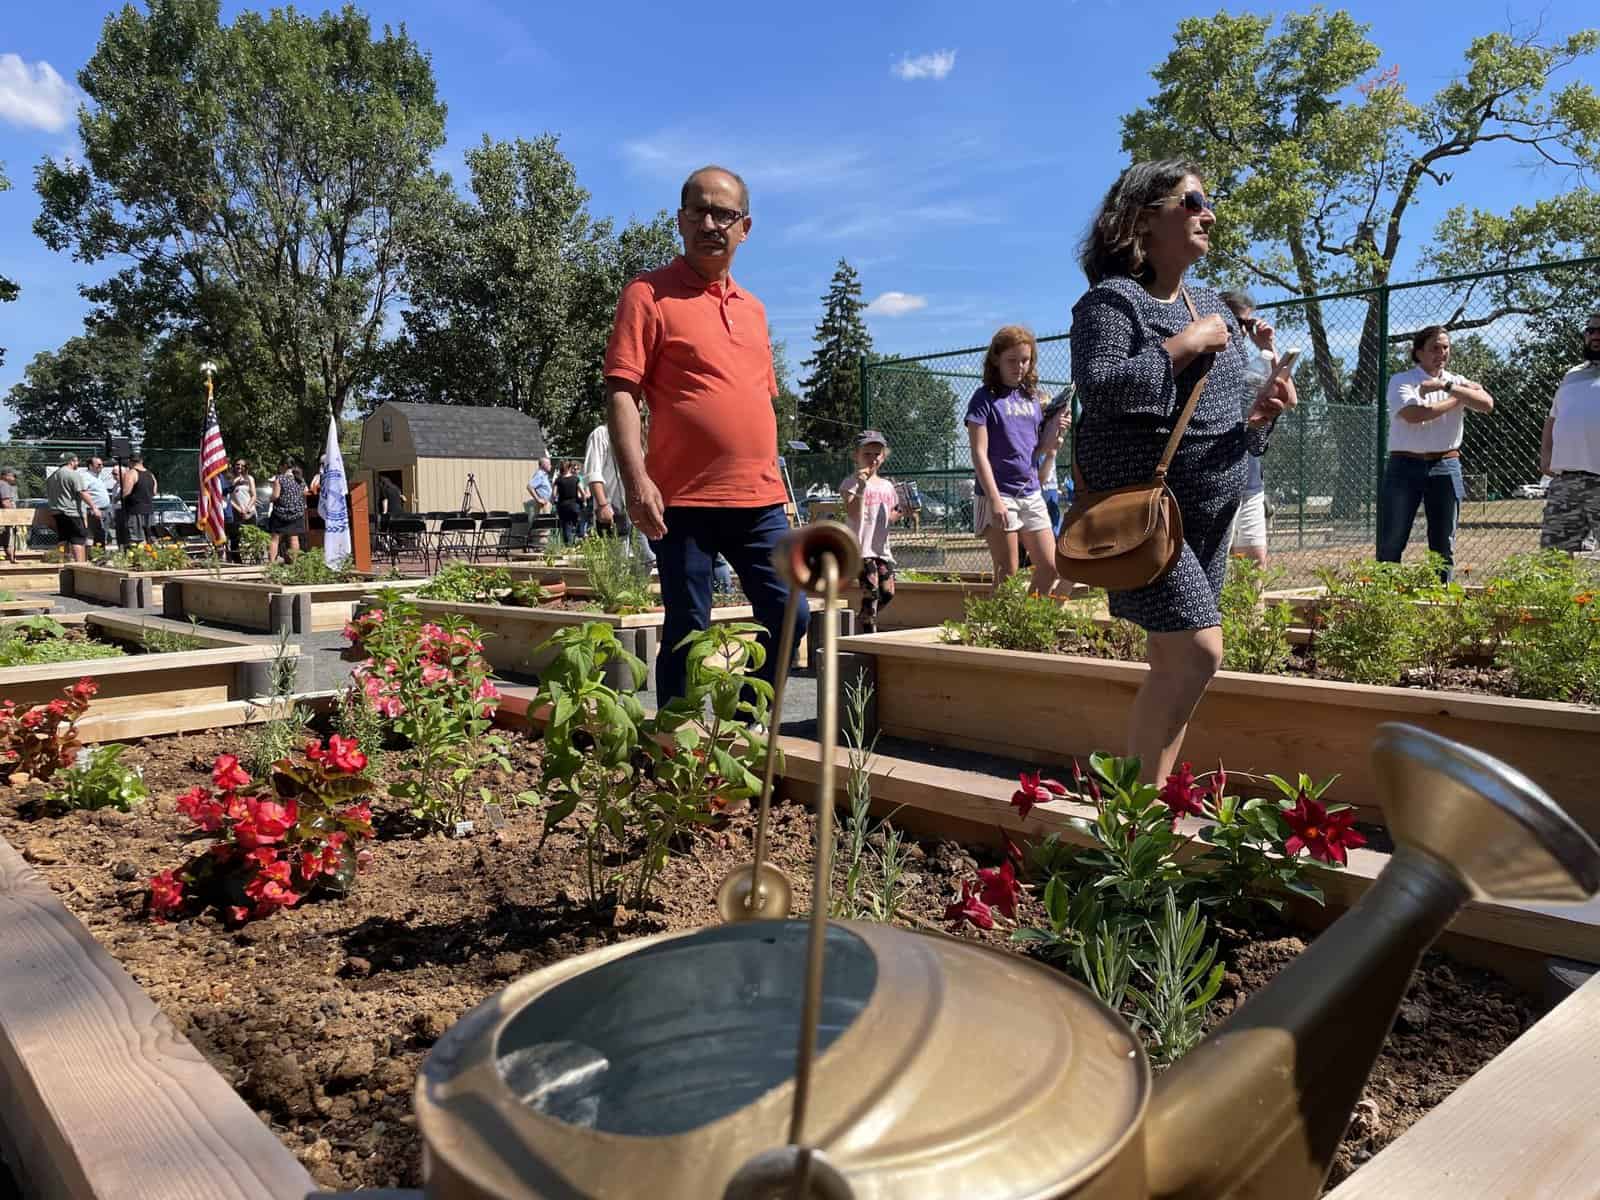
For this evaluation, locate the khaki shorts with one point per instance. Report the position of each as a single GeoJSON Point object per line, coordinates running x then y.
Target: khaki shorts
{"type": "Point", "coordinates": [1021, 512]}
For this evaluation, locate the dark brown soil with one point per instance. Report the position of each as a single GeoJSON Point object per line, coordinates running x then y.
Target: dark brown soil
{"type": "Point", "coordinates": [320, 1015]}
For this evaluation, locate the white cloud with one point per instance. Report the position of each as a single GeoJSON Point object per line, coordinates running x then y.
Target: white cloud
{"type": "Point", "coordinates": [896, 304]}
{"type": "Point", "coordinates": [35, 97]}
{"type": "Point", "coordinates": [925, 66]}
{"type": "Point", "coordinates": [885, 221]}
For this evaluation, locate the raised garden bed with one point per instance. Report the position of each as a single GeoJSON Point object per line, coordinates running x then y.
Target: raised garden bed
{"type": "Point", "coordinates": [128, 588]}
{"type": "Point", "coordinates": [923, 604]}
{"type": "Point", "coordinates": [1049, 707]}
{"type": "Point", "coordinates": [223, 668]}
{"type": "Point", "coordinates": [24, 606]}
{"type": "Point", "coordinates": [320, 1015]}
{"type": "Point", "coordinates": [30, 575]}
{"type": "Point", "coordinates": [513, 635]}
{"type": "Point", "coordinates": [271, 607]}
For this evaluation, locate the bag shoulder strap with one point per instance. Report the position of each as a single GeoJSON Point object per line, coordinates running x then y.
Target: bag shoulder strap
{"type": "Point", "coordinates": [1177, 430]}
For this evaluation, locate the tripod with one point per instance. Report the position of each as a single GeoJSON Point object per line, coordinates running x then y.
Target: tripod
{"type": "Point", "coordinates": [470, 491]}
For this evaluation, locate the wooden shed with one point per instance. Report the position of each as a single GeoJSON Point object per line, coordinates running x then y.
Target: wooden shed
{"type": "Point", "coordinates": [429, 450]}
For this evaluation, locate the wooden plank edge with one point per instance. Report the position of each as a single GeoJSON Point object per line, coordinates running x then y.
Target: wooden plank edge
{"type": "Point", "coordinates": [221, 715]}
{"type": "Point", "coordinates": [1522, 1126]}
{"type": "Point", "coordinates": [100, 1098]}
{"type": "Point", "coordinates": [965, 803]}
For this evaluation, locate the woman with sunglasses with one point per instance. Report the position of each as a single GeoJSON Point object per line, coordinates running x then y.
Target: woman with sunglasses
{"type": "Point", "coordinates": [1142, 339]}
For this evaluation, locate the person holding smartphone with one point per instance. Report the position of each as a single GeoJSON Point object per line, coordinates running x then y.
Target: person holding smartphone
{"type": "Point", "coordinates": [1250, 523]}
{"type": "Point", "coordinates": [1427, 409]}
{"type": "Point", "coordinates": [1143, 340]}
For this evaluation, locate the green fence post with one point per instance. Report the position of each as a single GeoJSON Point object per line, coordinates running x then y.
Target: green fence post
{"type": "Point", "coordinates": [864, 385]}
{"type": "Point", "coordinates": [1300, 419]}
{"type": "Point", "coordinates": [1380, 432]}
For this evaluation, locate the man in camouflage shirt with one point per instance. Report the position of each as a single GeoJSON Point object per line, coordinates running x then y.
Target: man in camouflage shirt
{"type": "Point", "coordinates": [1570, 452]}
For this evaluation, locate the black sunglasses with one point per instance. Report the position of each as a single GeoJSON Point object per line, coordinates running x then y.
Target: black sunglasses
{"type": "Point", "coordinates": [1194, 200]}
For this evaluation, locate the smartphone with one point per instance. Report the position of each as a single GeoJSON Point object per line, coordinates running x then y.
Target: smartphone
{"type": "Point", "coordinates": [1056, 405]}
{"type": "Point", "coordinates": [1286, 362]}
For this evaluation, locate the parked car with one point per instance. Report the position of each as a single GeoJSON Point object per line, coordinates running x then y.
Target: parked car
{"type": "Point", "coordinates": [171, 510]}
{"type": "Point", "coordinates": [1533, 491]}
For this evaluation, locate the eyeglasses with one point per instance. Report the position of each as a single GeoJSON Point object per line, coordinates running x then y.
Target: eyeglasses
{"type": "Point", "coordinates": [722, 218]}
{"type": "Point", "coordinates": [1194, 200]}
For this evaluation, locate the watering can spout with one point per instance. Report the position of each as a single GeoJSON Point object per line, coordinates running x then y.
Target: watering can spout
{"type": "Point", "coordinates": [1258, 1109]}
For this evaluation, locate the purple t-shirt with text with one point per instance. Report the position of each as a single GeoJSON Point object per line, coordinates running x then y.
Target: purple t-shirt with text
{"type": "Point", "coordinates": [1013, 423]}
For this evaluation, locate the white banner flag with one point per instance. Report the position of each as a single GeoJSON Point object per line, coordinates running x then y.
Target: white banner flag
{"type": "Point", "coordinates": [332, 503]}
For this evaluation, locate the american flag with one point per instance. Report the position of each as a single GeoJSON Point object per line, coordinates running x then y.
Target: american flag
{"type": "Point", "coordinates": [213, 463]}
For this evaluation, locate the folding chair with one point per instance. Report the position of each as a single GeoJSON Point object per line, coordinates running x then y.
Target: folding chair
{"type": "Point", "coordinates": [457, 536]}
{"type": "Point", "coordinates": [494, 536]}
{"type": "Point", "coordinates": [403, 537]}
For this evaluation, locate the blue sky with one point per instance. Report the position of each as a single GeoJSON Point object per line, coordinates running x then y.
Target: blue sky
{"type": "Point", "coordinates": [952, 157]}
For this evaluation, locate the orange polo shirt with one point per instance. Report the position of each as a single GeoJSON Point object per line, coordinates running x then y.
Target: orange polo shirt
{"type": "Point", "coordinates": [702, 355]}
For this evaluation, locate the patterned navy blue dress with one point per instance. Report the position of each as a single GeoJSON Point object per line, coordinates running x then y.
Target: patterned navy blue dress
{"type": "Point", "coordinates": [1130, 402]}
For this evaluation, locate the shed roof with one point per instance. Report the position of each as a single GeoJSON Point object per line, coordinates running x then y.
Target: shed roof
{"type": "Point", "coordinates": [471, 431]}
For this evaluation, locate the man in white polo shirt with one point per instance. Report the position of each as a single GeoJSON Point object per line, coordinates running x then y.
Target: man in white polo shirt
{"type": "Point", "coordinates": [1570, 451]}
{"type": "Point", "coordinates": [1427, 405]}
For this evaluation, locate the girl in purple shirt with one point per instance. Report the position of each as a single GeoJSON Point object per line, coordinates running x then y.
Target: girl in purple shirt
{"type": "Point", "coordinates": [1003, 419]}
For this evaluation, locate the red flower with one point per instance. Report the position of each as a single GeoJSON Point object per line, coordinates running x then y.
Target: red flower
{"type": "Point", "coordinates": [227, 774]}
{"type": "Point", "coordinates": [263, 856]}
{"type": "Point", "coordinates": [166, 893]}
{"type": "Point", "coordinates": [85, 690]}
{"type": "Point", "coordinates": [344, 754]}
{"type": "Point", "coordinates": [1035, 790]}
{"type": "Point", "coordinates": [1180, 794]}
{"type": "Point", "coordinates": [314, 751]}
{"type": "Point", "coordinates": [360, 814]}
{"type": "Point", "coordinates": [57, 708]}
{"type": "Point", "coordinates": [1000, 889]}
{"type": "Point", "coordinates": [1219, 782]}
{"type": "Point", "coordinates": [266, 823]}
{"type": "Point", "coordinates": [1326, 836]}
{"type": "Point", "coordinates": [238, 914]}
{"type": "Point", "coordinates": [968, 907]}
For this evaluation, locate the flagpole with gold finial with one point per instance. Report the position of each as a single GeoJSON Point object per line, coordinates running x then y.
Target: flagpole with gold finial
{"type": "Point", "coordinates": [210, 368]}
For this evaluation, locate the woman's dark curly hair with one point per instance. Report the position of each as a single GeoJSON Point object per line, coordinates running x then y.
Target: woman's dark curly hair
{"type": "Point", "coordinates": [1113, 245]}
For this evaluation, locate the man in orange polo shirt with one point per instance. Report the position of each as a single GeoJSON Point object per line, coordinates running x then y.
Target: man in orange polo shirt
{"type": "Point", "coordinates": [693, 345]}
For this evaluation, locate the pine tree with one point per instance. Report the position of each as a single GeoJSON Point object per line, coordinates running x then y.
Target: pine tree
{"type": "Point", "coordinates": [831, 408]}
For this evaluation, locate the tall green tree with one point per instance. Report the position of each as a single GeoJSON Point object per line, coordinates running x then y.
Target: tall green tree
{"type": "Point", "coordinates": [787, 402]}
{"type": "Point", "coordinates": [1319, 154]}
{"type": "Point", "coordinates": [511, 293]}
{"type": "Point", "coordinates": [831, 405]}
{"type": "Point", "coordinates": [260, 181]}
{"type": "Point", "coordinates": [8, 289]}
{"type": "Point", "coordinates": [917, 411]}
{"type": "Point", "coordinates": [92, 385]}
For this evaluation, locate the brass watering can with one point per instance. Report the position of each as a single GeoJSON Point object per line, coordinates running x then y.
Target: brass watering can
{"type": "Point", "coordinates": [932, 1067]}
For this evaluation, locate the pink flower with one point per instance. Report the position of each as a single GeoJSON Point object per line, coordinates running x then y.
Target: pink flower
{"type": "Point", "coordinates": [432, 674]}
{"type": "Point", "coordinates": [344, 754]}
{"type": "Point", "coordinates": [227, 774]}
{"type": "Point", "coordinates": [1000, 888]}
{"type": "Point", "coordinates": [968, 907]}
{"type": "Point", "coordinates": [1035, 790]}
{"type": "Point", "coordinates": [363, 861]}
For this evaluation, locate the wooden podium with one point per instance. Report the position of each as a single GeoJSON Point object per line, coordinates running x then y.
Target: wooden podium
{"type": "Point", "coordinates": [360, 526]}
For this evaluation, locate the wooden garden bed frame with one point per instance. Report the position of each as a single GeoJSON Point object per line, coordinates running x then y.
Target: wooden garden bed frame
{"type": "Point", "coordinates": [512, 634]}
{"type": "Point", "coordinates": [1049, 708]}
{"type": "Point", "coordinates": [26, 606]}
{"type": "Point", "coordinates": [30, 575]}
{"type": "Point", "coordinates": [924, 605]}
{"type": "Point", "coordinates": [272, 607]}
{"type": "Point", "coordinates": [229, 668]}
{"type": "Point", "coordinates": [135, 589]}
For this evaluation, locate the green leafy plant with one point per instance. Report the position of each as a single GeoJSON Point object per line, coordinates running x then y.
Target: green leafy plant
{"type": "Point", "coordinates": [309, 568]}
{"type": "Point", "coordinates": [157, 640]}
{"type": "Point", "coordinates": [875, 853]}
{"type": "Point", "coordinates": [263, 744]}
{"type": "Point", "coordinates": [467, 583]}
{"type": "Point", "coordinates": [1013, 618]}
{"type": "Point", "coordinates": [357, 719]}
{"type": "Point", "coordinates": [1366, 631]}
{"type": "Point", "coordinates": [146, 556]}
{"type": "Point", "coordinates": [620, 579]}
{"type": "Point", "coordinates": [1544, 624]}
{"type": "Point", "coordinates": [1181, 977]}
{"type": "Point", "coordinates": [30, 641]}
{"type": "Point", "coordinates": [254, 542]}
{"type": "Point", "coordinates": [99, 779]}
{"type": "Point", "coordinates": [1255, 634]}
{"type": "Point", "coordinates": [1451, 625]}
{"type": "Point", "coordinates": [1105, 962]}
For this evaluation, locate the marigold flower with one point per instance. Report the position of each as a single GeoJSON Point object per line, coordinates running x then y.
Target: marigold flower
{"type": "Point", "coordinates": [1583, 598]}
{"type": "Point", "coordinates": [1326, 836]}
{"type": "Point", "coordinates": [1035, 790]}
{"type": "Point", "coordinates": [1000, 888]}
{"type": "Point", "coordinates": [227, 774]}
{"type": "Point", "coordinates": [968, 907]}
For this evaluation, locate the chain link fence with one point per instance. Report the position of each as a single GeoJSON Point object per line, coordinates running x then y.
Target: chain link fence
{"type": "Point", "coordinates": [1516, 332]}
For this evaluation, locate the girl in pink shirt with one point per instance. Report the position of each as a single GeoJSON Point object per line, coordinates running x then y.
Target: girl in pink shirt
{"type": "Point", "coordinates": [870, 508]}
